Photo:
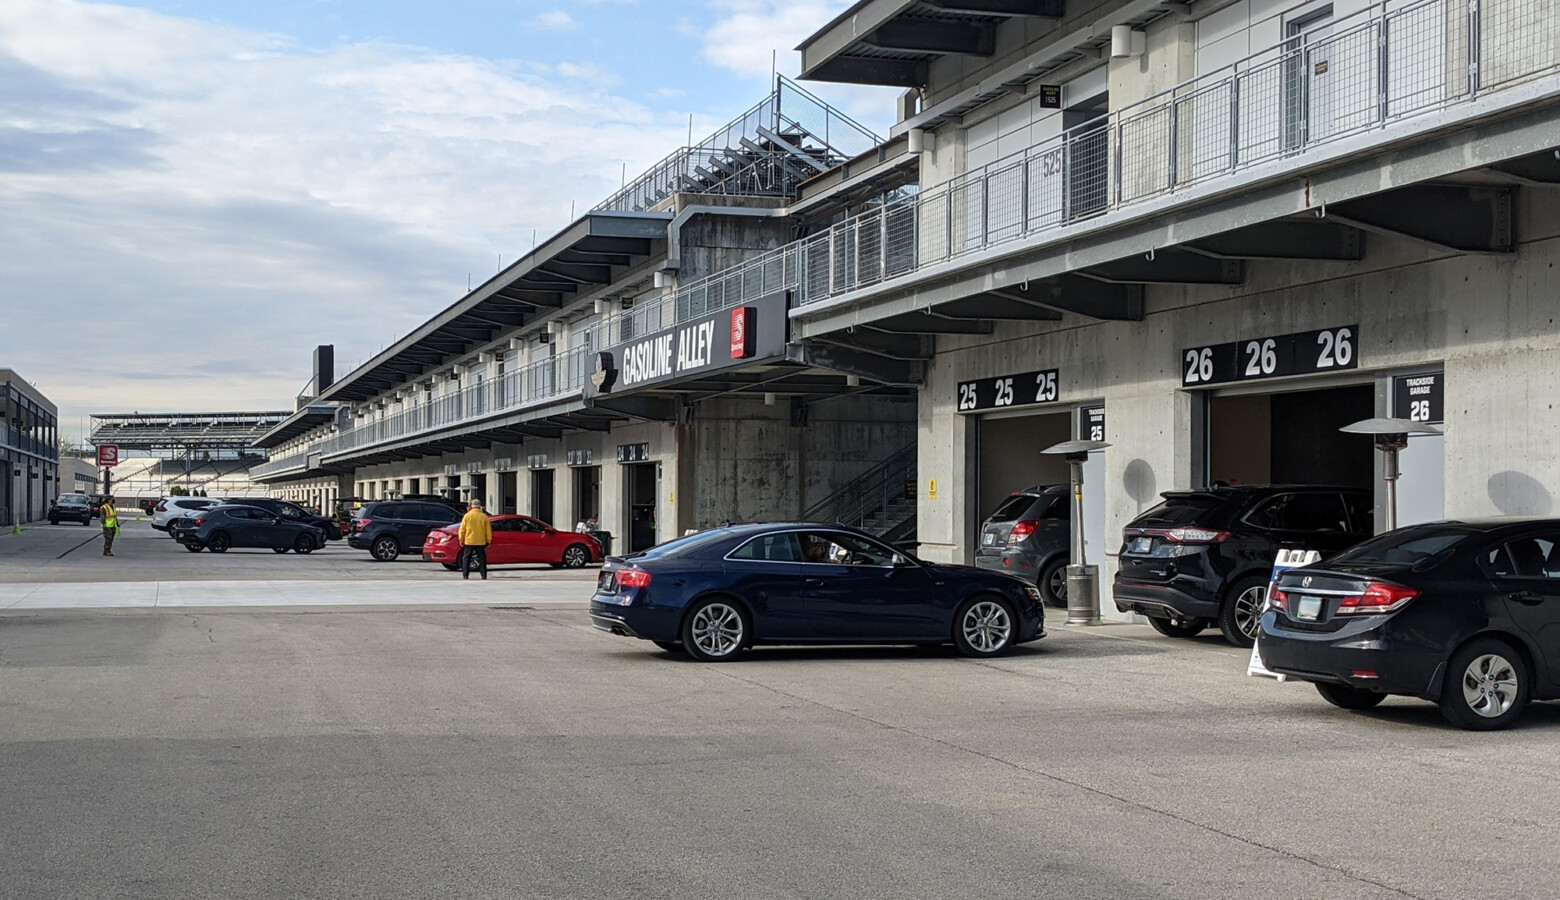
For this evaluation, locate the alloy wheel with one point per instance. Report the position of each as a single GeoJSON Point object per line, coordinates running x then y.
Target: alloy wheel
{"type": "Point", "coordinates": [1058, 584]}
{"type": "Point", "coordinates": [717, 630]}
{"type": "Point", "coordinates": [1489, 685]}
{"type": "Point", "coordinates": [987, 626]}
{"type": "Point", "coordinates": [1248, 610]}
{"type": "Point", "coordinates": [575, 557]}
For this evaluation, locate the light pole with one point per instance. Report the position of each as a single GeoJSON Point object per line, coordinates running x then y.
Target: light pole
{"type": "Point", "coordinates": [1083, 580]}
{"type": "Point", "coordinates": [1391, 437]}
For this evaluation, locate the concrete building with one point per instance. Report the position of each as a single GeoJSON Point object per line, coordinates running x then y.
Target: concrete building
{"type": "Point", "coordinates": [614, 376]}
{"type": "Point", "coordinates": [29, 451]}
{"type": "Point", "coordinates": [1212, 232]}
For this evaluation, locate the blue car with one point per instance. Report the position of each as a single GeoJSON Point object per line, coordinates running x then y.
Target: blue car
{"type": "Point", "coordinates": [715, 593]}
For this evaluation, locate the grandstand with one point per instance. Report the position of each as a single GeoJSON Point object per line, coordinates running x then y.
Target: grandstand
{"type": "Point", "coordinates": [198, 452]}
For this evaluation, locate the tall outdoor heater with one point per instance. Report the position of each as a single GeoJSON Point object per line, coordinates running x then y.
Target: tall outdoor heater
{"type": "Point", "coordinates": [1391, 437]}
{"type": "Point", "coordinates": [1083, 580]}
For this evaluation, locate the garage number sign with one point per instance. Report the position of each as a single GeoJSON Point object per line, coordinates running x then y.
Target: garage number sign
{"type": "Point", "coordinates": [1305, 353]}
{"type": "Point", "coordinates": [1023, 389]}
{"type": "Point", "coordinates": [1091, 423]}
{"type": "Point", "coordinates": [1419, 398]}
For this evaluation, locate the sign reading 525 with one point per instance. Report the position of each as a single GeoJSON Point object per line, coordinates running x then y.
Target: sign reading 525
{"type": "Point", "coordinates": [1305, 353]}
{"type": "Point", "coordinates": [1022, 389]}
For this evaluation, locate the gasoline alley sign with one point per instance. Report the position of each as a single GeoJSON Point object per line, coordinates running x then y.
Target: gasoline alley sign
{"type": "Point", "coordinates": [729, 338]}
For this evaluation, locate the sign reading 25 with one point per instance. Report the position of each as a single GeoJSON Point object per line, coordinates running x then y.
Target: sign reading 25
{"type": "Point", "coordinates": [1023, 389]}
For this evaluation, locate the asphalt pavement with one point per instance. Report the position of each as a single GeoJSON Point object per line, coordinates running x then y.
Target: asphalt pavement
{"type": "Point", "coordinates": [517, 753]}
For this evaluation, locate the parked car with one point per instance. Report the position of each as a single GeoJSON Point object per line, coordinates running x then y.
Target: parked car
{"type": "Point", "coordinates": [289, 510]}
{"type": "Point", "coordinates": [1028, 535]}
{"type": "Point", "coordinates": [387, 528]}
{"type": "Point", "coordinates": [70, 508]}
{"type": "Point", "coordinates": [225, 526]}
{"type": "Point", "coordinates": [517, 540]}
{"type": "Point", "coordinates": [715, 593]}
{"type": "Point", "coordinates": [1205, 557]}
{"type": "Point", "coordinates": [170, 509]}
{"type": "Point", "coordinates": [96, 503]}
{"type": "Point", "coordinates": [1465, 614]}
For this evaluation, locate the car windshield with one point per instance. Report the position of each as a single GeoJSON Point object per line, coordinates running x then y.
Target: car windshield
{"type": "Point", "coordinates": [73, 499]}
{"type": "Point", "coordinates": [1408, 547]}
{"type": "Point", "coordinates": [687, 543]}
{"type": "Point", "coordinates": [1183, 510]}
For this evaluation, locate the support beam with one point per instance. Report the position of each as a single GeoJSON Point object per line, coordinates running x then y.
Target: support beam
{"type": "Point", "coordinates": [869, 366]}
{"type": "Point", "coordinates": [998, 305]}
{"type": "Point", "coordinates": [889, 346]}
{"type": "Point", "coordinates": [791, 148]}
{"type": "Point", "coordinates": [1085, 297]}
{"type": "Point", "coordinates": [908, 35]}
{"type": "Point", "coordinates": [872, 70]}
{"type": "Point", "coordinates": [930, 323]}
{"type": "Point", "coordinates": [1538, 169]}
{"type": "Point", "coordinates": [1169, 267]}
{"type": "Point", "coordinates": [1464, 218]}
{"type": "Point", "coordinates": [1286, 239]}
{"type": "Point", "coordinates": [1045, 9]}
{"type": "Point", "coordinates": [654, 409]}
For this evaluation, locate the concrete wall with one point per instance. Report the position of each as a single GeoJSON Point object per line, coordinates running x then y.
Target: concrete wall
{"type": "Point", "coordinates": [1492, 321]}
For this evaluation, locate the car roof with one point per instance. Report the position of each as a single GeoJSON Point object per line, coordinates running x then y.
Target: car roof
{"type": "Point", "coordinates": [1235, 490]}
{"type": "Point", "coordinates": [1492, 523]}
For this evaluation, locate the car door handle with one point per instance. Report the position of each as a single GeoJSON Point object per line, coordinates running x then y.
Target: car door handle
{"type": "Point", "coordinates": [813, 582]}
{"type": "Point", "coordinates": [1526, 598]}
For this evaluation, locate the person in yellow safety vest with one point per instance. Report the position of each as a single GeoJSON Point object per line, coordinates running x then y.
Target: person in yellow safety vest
{"type": "Point", "coordinates": [110, 525]}
{"type": "Point", "coordinates": [475, 535]}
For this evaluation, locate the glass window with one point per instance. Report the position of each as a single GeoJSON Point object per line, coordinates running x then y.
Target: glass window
{"type": "Point", "coordinates": [1408, 547]}
{"type": "Point", "coordinates": [505, 525]}
{"type": "Point", "coordinates": [690, 543]}
{"type": "Point", "coordinates": [844, 549]}
{"type": "Point", "coordinates": [770, 548]}
{"type": "Point", "coordinates": [1193, 509]}
{"type": "Point", "coordinates": [529, 526]}
{"type": "Point", "coordinates": [434, 512]}
{"type": "Point", "coordinates": [1362, 513]}
{"type": "Point", "coordinates": [1010, 509]}
{"type": "Point", "coordinates": [1314, 512]}
{"type": "Point", "coordinates": [1529, 557]}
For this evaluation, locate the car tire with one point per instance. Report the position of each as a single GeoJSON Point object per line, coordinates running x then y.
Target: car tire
{"type": "Point", "coordinates": [716, 629]}
{"type": "Point", "coordinates": [669, 646]}
{"type": "Point", "coordinates": [1178, 628]}
{"type": "Point", "coordinates": [1487, 686]}
{"type": "Point", "coordinates": [303, 546]}
{"type": "Point", "coordinates": [1241, 611]}
{"type": "Point", "coordinates": [193, 547]}
{"type": "Point", "coordinates": [385, 549]}
{"type": "Point", "coordinates": [54, 521]}
{"type": "Point", "coordinates": [451, 566]}
{"type": "Point", "coordinates": [1053, 583]}
{"type": "Point", "coordinates": [985, 626]}
{"type": "Point", "coordinates": [1345, 697]}
{"type": "Point", "coordinates": [219, 542]}
{"type": "Point", "coordinates": [278, 549]}
{"type": "Point", "coordinates": [576, 556]}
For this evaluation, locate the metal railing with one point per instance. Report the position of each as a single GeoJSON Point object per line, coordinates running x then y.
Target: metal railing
{"type": "Point", "coordinates": [874, 491]}
{"type": "Point", "coordinates": [16, 439]}
{"type": "Point", "coordinates": [739, 159]}
{"type": "Point", "coordinates": [1387, 63]}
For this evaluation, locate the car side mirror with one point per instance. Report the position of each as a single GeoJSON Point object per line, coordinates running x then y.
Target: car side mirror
{"type": "Point", "coordinates": [902, 562]}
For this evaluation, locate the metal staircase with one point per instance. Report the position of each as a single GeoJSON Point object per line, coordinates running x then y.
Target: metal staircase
{"type": "Point", "coordinates": [881, 500]}
{"type": "Point", "coordinates": [786, 138]}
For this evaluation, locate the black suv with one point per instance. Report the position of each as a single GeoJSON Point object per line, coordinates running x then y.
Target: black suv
{"type": "Point", "coordinates": [387, 528]}
{"type": "Point", "coordinates": [71, 508]}
{"type": "Point", "coordinates": [291, 512]}
{"type": "Point", "coordinates": [1029, 536]}
{"type": "Point", "coordinates": [1205, 557]}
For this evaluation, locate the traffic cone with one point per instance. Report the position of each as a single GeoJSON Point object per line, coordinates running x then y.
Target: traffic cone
{"type": "Point", "coordinates": [17, 528]}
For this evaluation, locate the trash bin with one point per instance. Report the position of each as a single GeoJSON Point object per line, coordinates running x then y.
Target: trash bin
{"type": "Point", "coordinates": [604, 538]}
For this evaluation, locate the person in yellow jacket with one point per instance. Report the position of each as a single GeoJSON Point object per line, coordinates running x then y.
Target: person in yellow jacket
{"type": "Point", "coordinates": [110, 519]}
{"type": "Point", "coordinates": [475, 535]}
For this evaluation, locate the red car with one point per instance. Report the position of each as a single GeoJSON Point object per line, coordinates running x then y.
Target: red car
{"type": "Point", "coordinates": [517, 539]}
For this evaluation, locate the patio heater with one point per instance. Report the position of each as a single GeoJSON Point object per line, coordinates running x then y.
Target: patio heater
{"type": "Point", "coordinates": [1391, 437]}
{"type": "Point", "coordinates": [1083, 580]}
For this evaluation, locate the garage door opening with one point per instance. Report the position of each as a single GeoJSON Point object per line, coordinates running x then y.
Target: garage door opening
{"type": "Point", "coordinates": [1010, 459]}
{"type": "Point", "coordinates": [1291, 438]}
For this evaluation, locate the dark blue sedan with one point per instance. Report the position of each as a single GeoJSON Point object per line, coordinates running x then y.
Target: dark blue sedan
{"type": "Point", "coordinates": [715, 593]}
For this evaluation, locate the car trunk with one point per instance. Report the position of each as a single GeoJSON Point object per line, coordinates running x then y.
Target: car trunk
{"type": "Point", "coordinates": [1150, 555]}
{"type": "Point", "coordinates": [999, 526]}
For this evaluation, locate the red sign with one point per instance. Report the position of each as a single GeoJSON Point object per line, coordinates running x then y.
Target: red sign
{"type": "Point", "coordinates": [108, 455]}
{"type": "Point", "coordinates": [742, 332]}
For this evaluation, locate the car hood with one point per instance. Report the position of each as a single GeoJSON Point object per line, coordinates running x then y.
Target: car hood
{"type": "Point", "coordinates": [970, 573]}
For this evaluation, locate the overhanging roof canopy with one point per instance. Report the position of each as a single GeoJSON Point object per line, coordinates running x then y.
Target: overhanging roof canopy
{"type": "Point", "coordinates": [585, 256]}
{"type": "Point", "coordinates": [893, 42]}
{"type": "Point", "coordinates": [304, 420]}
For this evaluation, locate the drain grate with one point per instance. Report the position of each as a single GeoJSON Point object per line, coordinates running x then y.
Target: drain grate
{"type": "Point", "coordinates": [512, 608]}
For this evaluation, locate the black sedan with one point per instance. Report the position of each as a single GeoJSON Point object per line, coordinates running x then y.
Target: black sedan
{"type": "Point", "coordinates": [715, 593]}
{"type": "Point", "coordinates": [221, 527]}
{"type": "Point", "coordinates": [1465, 614]}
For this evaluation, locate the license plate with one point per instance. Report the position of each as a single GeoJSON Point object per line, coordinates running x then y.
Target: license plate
{"type": "Point", "coordinates": [1308, 608]}
{"type": "Point", "coordinates": [607, 583]}
{"type": "Point", "coordinates": [989, 539]}
{"type": "Point", "coordinates": [1142, 545]}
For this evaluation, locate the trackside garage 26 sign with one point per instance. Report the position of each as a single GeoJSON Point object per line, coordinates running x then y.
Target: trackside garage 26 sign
{"type": "Point", "coordinates": [1303, 353]}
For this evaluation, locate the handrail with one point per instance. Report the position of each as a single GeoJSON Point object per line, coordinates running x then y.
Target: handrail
{"type": "Point", "coordinates": [868, 493]}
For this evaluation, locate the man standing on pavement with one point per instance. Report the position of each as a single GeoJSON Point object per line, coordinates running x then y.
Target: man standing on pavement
{"type": "Point", "coordinates": [110, 525]}
{"type": "Point", "coordinates": [475, 535]}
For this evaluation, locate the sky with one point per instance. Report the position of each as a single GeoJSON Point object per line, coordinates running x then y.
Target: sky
{"type": "Point", "coordinates": [195, 194]}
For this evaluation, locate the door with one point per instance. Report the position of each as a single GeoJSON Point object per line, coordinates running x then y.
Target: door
{"type": "Point", "coordinates": [542, 494]}
{"type": "Point", "coordinates": [766, 573]}
{"type": "Point", "coordinates": [853, 588]}
{"type": "Point", "coordinates": [505, 549]}
{"type": "Point", "coordinates": [1526, 572]}
{"type": "Point", "coordinates": [421, 518]}
{"type": "Point", "coordinates": [1308, 77]}
{"type": "Point", "coordinates": [533, 541]}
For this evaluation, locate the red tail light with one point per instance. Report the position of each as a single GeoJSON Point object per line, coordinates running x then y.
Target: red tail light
{"type": "Point", "coordinates": [1379, 597]}
{"type": "Point", "coordinates": [162, 507]}
{"type": "Point", "coordinates": [197, 520]}
{"type": "Point", "coordinates": [633, 578]}
{"type": "Point", "coordinates": [1277, 599]}
{"type": "Point", "coordinates": [1022, 530]}
{"type": "Point", "coordinates": [1189, 535]}
{"type": "Point", "coordinates": [360, 523]}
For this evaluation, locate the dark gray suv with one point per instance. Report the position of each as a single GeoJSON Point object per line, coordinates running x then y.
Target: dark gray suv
{"type": "Point", "coordinates": [1028, 536]}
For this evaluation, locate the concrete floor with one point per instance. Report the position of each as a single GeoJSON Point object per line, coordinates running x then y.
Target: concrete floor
{"type": "Point", "coordinates": [472, 752]}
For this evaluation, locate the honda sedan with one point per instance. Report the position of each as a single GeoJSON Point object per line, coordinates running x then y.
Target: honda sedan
{"type": "Point", "coordinates": [715, 593]}
{"type": "Point", "coordinates": [517, 540]}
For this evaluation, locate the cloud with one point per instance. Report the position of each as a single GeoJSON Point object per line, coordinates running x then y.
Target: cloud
{"type": "Point", "coordinates": [556, 20]}
{"type": "Point", "coordinates": [176, 192]}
